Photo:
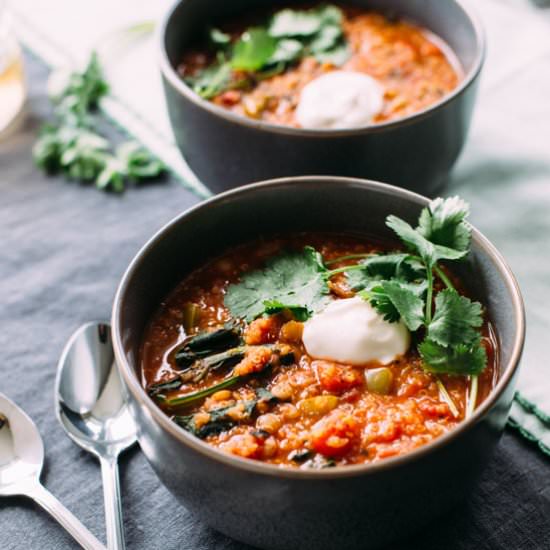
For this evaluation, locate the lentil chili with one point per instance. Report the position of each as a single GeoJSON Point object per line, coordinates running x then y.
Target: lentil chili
{"type": "Point", "coordinates": [415, 67]}
{"type": "Point", "coordinates": [299, 411]}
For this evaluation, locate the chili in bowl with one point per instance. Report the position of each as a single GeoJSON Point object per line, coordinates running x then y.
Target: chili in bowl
{"type": "Point", "coordinates": [322, 354]}
{"type": "Point", "coordinates": [325, 67]}
{"type": "Point", "coordinates": [373, 89]}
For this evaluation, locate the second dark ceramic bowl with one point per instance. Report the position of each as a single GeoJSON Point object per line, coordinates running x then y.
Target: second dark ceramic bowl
{"type": "Point", "coordinates": [416, 152]}
{"type": "Point", "coordinates": [346, 507]}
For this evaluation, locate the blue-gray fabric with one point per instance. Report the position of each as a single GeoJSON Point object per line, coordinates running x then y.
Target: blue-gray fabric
{"type": "Point", "coordinates": [63, 249]}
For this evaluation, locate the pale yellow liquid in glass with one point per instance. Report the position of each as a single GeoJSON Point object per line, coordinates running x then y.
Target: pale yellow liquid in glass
{"type": "Point", "coordinates": [12, 83]}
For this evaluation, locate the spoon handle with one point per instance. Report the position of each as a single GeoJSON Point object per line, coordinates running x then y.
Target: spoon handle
{"type": "Point", "coordinates": [112, 499]}
{"type": "Point", "coordinates": [43, 497]}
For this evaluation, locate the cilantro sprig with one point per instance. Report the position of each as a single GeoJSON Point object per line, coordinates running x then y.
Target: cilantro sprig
{"type": "Point", "coordinates": [400, 285]}
{"type": "Point", "coordinates": [73, 146]}
{"type": "Point", "coordinates": [263, 51]}
{"type": "Point", "coordinates": [452, 342]}
{"type": "Point", "coordinates": [293, 281]}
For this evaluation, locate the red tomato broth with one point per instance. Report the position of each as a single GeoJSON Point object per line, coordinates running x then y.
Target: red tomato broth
{"type": "Point", "coordinates": [415, 67]}
{"type": "Point", "coordinates": [363, 427]}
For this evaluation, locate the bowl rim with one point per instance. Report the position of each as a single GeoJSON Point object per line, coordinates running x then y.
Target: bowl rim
{"type": "Point", "coordinates": [134, 386]}
{"type": "Point", "coordinates": [170, 74]}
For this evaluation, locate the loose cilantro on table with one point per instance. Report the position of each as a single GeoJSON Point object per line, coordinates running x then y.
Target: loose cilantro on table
{"type": "Point", "coordinates": [400, 285]}
{"type": "Point", "coordinates": [73, 146]}
{"type": "Point", "coordinates": [262, 51]}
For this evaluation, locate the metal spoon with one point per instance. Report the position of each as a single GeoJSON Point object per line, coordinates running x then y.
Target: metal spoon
{"type": "Point", "coordinates": [91, 406]}
{"type": "Point", "coordinates": [21, 461]}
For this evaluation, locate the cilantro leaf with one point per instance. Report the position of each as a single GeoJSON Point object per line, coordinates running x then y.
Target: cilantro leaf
{"type": "Point", "coordinates": [286, 51]}
{"type": "Point", "coordinates": [266, 51]}
{"type": "Point", "coordinates": [395, 300]}
{"type": "Point", "coordinates": [219, 38]}
{"type": "Point", "coordinates": [47, 150]}
{"type": "Point", "coordinates": [272, 307]}
{"type": "Point", "coordinates": [84, 156]}
{"type": "Point", "coordinates": [455, 319]}
{"type": "Point", "coordinates": [396, 265]}
{"type": "Point", "coordinates": [427, 250]}
{"type": "Point", "coordinates": [337, 56]}
{"type": "Point", "coordinates": [253, 50]}
{"type": "Point", "coordinates": [289, 22]}
{"type": "Point", "coordinates": [76, 93]}
{"type": "Point", "coordinates": [461, 360]}
{"type": "Point", "coordinates": [211, 81]}
{"type": "Point", "coordinates": [443, 223]}
{"type": "Point", "coordinates": [326, 39]}
{"type": "Point", "coordinates": [138, 164]}
{"type": "Point", "coordinates": [442, 233]}
{"type": "Point", "coordinates": [73, 146]}
{"type": "Point", "coordinates": [331, 14]}
{"type": "Point", "coordinates": [295, 281]}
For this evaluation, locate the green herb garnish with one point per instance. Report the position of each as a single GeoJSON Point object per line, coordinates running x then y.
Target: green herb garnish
{"type": "Point", "coordinates": [452, 344]}
{"type": "Point", "coordinates": [262, 51]}
{"type": "Point", "coordinates": [253, 50]}
{"type": "Point", "coordinates": [379, 267]}
{"type": "Point", "coordinates": [73, 146]}
{"type": "Point", "coordinates": [395, 299]}
{"type": "Point", "coordinates": [292, 281]}
{"type": "Point", "coordinates": [399, 285]}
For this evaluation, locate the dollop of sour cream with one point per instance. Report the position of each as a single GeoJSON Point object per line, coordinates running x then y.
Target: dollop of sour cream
{"type": "Point", "coordinates": [340, 99]}
{"type": "Point", "coordinates": [352, 331]}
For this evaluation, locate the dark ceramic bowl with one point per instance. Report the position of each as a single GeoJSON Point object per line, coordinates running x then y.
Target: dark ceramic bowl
{"type": "Point", "coordinates": [226, 150]}
{"type": "Point", "coordinates": [345, 507]}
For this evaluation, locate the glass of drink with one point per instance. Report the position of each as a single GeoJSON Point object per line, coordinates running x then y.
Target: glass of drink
{"type": "Point", "coordinates": [12, 83]}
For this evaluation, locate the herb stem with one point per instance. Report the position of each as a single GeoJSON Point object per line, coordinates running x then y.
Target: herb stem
{"type": "Point", "coordinates": [349, 257]}
{"type": "Point", "coordinates": [444, 278]}
{"type": "Point", "coordinates": [193, 397]}
{"type": "Point", "coordinates": [429, 294]}
{"type": "Point", "coordinates": [472, 396]}
{"type": "Point", "coordinates": [444, 394]}
{"type": "Point", "coordinates": [343, 269]}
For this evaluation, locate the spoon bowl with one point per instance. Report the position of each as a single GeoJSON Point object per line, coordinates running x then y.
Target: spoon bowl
{"type": "Point", "coordinates": [90, 401]}
{"type": "Point", "coordinates": [90, 404]}
{"type": "Point", "coordinates": [21, 449]}
{"type": "Point", "coordinates": [21, 461]}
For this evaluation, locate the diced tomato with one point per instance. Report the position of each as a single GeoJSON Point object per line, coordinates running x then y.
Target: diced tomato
{"type": "Point", "coordinates": [434, 409]}
{"type": "Point", "coordinates": [337, 378]}
{"type": "Point", "coordinates": [335, 434]}
{"type": "Point", "coordinates": [231, 97]}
